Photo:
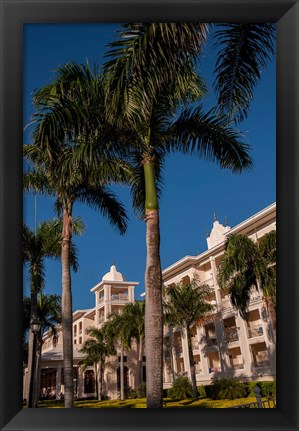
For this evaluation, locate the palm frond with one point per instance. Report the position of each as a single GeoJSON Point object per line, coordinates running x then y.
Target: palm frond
{"type": "Point", "coordinates": [244, 50]}
{"type": "Point", "coordinates": [211, 138]}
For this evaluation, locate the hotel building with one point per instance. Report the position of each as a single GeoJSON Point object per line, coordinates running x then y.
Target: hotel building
{"type": "Point", "coordinates": [223, 344]}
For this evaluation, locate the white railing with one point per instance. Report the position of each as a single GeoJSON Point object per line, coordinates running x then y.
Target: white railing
{"type": "Point", "coordinates": [238, 366]}
{"type": "Point", "coordinates": [231, 334]}
{"type": "Point", "coordinates": [119, 297]}
{"type": "Point", "coordinates": [255, 331]}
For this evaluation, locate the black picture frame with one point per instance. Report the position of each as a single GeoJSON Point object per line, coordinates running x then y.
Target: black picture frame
{"type": "Point", "coordinates": [16, 13]}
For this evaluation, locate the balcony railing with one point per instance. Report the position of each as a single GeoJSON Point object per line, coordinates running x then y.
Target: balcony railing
{"type": "Point", "coordinates": [264, 363]}
{"type": "Point", "coordinates": [209, 282]}
{"type": "Point", "coordinates": [238, 366]}
{"type": "Point", "coordinates": [255, 331]}
{"type": "Point", "coordinates": [101, 320]}
{"type": "Point", "coordinates": [101, 299]}
{"type": "Point", "coordinates": [231, 334]}
{"type": "Point", "coordinates": [119, 297]}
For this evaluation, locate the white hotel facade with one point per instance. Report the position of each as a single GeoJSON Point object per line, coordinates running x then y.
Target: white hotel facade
{"type": "Point", "coordinates": [223, 345]}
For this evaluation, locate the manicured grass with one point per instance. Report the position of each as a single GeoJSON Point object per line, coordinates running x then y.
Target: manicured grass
{"type": "Point", "coordinates": [140, 403]}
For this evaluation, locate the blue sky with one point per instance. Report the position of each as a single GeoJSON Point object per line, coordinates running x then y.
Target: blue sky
{"type": "Point", "coordinates": [193, 189]}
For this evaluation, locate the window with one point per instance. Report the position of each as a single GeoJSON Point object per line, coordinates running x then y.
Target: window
{"type": "Point", "coordinates": [80, 328]}
{"type": "Point", "coordinates": [75, 330]}
{"type": "Point", "coordinates": [125, 359]}
{"type": "Point", "coordinates": [80, 340]}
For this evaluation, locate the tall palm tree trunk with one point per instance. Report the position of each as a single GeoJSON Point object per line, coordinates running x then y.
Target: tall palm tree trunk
{"type": "Point", "coordinates": [122, 383]}
{"type": "Point", "coordinates": [67, 313]}
{"type": "Point", "coordinates": [96, 380]}
{"type": "Point", "coordinates": [38, 365]}
{"type": "Point", "coordinates": [153, 285]}
{"type": "Point", "coordinates": [101, 373]}
{"type": "Point", "coordinates": [139, 368]}
{"type": "Point", "coordinates": [32, 349]}
{"type": "Point", "coordinates": [192, 366]}
{"type": "Point", "coordinates": [171, 352]}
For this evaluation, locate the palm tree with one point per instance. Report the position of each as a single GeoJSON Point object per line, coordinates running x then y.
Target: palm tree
{"type": "Point", "coordinates": [118, 329]}
{"type": "Point", "coordinates": [184, 306]}
{"type": "Point", "coordinates": [55, 174]}
{"type": "Point", "coordinates": [97, 348]}
{"type": "Point", "coordinates": [133, 314]}
{"type": "Point", "coordinates": [150, 72]}
{"type": "Point", "coordinates": [49, 315]}
{"type": "Point", "coordinates": [148, 78]}
{"type": "Point", "coordinates": [37, 246]}
{"type": "Point", "coordinates": [246, 266]}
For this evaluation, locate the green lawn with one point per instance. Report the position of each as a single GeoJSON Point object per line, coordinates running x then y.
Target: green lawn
{"type": "Point", "coordinates": [140, 403]}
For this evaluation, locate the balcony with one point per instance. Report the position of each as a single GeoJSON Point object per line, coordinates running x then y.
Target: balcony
{"type": "Point", "coordinates": [209, 282]}
{"type": "Point", "coordinates": [260, 364]}
{"type": "Point", "coordinates": [238, 366]}
{"type": "Point", "coordinates": [231, 334]}
{"type": "Point", "coordinates": [101, 299]}
{"type": "Point", "coordinates": [255, 331]}
{"type": "Point", "coordinates": [195, 345]}
{"type": "Point", "coordinates": [119, 297]}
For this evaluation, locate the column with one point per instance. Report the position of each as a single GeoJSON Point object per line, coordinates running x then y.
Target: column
{"type": "Point", "coordinates": [271, 348]}
{"type": "Point", "coordinates": [216, 287]}
{"type": "Point", "coordinates": [131, 293]}
{"type": "Point", "coordinates": [58, 381]}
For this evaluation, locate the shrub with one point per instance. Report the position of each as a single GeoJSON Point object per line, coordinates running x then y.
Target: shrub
{"type": "Point", "coordinates": [250, 386]}
{"type": "Point", "coordinates": [131, 394]}
{"type": "Point", "coordinates": [228, 388]}
{"type": "Point", "coordinates": [201, 391]}
{"type": "Point", "coordinates": [181, 389]}
{"type": "Point", "coordinates": [267, 389]}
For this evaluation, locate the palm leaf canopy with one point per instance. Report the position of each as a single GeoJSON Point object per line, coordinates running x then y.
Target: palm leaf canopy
{"type": "Point", "coordinates": [46, 243]}
{"type": "Point", "coordinates": [70, 180]}
{"type": "Point", "coordinates": [186, 304]}
{"type": "Point", "coordinates": [145, 59]}
{"type": "Point", "coordinates": [243, 52]}
{"type": "Point", "coordinates": [48, 311]}
{"type": "Point", "coordinates": [241, 270]}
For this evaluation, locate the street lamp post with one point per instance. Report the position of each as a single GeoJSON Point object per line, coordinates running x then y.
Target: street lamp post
{"type": "Point", "coordinates": [35, 327]}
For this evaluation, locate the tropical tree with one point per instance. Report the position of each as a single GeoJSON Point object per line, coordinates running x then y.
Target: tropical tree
{"type": "Point", "coordinates": [249, 265]}
{"type": "Point", "coordinates": [97, 349]}
{"type": "Point", "coordinates": [149, 76]}
{"type": "Point", "coordinates": [54, 174]}
{"type": "Point", "coordinates": [38, 245]}
{"type": "Point", "coordinates": [133, 314]}
{"type": "Point", "coordinates": [184, 306]}
{"type": "Point", "coordinates": [49, 316]}
{"type": "Point", "coordinates": [150, 72]}
{"type": "Point", "coordinates": [119, 331]}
